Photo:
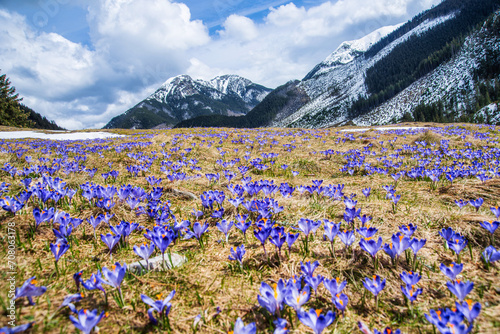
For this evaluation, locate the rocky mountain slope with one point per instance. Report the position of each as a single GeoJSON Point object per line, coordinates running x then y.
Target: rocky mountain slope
{"type": "Point", "coordinates": [183, 97]}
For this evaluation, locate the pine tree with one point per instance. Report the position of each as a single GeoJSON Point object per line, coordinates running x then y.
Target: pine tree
{"type": "Point", "coordinates": [10, 112]}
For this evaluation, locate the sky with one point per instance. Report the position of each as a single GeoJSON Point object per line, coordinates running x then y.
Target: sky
{"type": "Point", "coordinates": [82, 62]}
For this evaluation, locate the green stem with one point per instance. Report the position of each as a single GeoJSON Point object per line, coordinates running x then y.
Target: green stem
{"type": "Point", "coordinates": [57, 269]}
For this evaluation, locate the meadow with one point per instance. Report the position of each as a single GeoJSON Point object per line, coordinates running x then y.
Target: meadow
{"type": "Point", "coordinates": [283, 230]}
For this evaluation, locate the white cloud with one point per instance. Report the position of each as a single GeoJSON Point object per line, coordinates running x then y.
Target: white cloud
{"type": "Point", "coordinates": [240, 28]}
{"type": "Point", "coordinates": [136, 45]}
{"type": "Point", "coordinates": [138, 30]}
{"type": "Point", "coordinates": [45, 63]}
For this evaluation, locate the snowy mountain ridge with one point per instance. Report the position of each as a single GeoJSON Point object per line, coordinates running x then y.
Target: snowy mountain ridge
{"type": "Point", "coordinates": [182, 97]}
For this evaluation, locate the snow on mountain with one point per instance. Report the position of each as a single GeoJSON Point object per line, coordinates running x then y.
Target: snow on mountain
{"type": "Point", "coordinates": [183, 86]}
{"type": "Point", "coordinates": [182, 97]}
{"type": "Point", "coordinates": [348, 51]}
{"type": "Point", "coordinates": [337, 80]}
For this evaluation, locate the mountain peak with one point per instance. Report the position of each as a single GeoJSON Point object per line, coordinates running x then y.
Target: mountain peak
{"type": "Point", "coordinates": [349, 50]}
{"type": "Point", "coordinates": [182, 97]}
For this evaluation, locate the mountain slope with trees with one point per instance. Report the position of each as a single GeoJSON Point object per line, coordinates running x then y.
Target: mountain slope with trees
{"type": "Point", "coordinates": [14, 113]}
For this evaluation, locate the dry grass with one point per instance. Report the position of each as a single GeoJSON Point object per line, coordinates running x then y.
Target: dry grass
{"type": "Point", "coordinates": [209, 280]}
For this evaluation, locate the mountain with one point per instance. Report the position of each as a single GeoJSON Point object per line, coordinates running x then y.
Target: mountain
{"type": "Point", "coordinates": [433, 59]}
{"type": "Point", "coordinates": [182, 97]}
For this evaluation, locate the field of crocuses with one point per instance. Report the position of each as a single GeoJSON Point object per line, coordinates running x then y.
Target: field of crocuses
{"type": "Point", "coordinates": [283, 230]}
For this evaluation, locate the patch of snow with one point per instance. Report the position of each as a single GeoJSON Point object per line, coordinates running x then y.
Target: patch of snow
{"type": "Point", "coordinates": [384, 128]}
{"type": "Point", "coordinates": [57, 136]}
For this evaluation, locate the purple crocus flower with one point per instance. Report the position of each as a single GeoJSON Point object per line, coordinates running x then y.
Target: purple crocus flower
{"type": "Point", "coordinates": [110, 241]}
{"type": "Point", "coordinates": [77, 277]}
{"type": "Point", "coordinates": [315, 320]}
{"type": "Point", "coordinates": [400, 243]}
{"type": "Point", "coordinates": [461, 203]}
{"type": "Point", "coordinates": [447, 233]}
{"type": "Point", "coordinates": [460, 289]}
{"type": "Point", "coordinates": [416, 245]}
{"type": "Point", "coordinates": [477, 203]}
{"type": "Point", "coordinates": [10, 204]}
{"type": "Point", "coordinates": [366, 231]}
{"type": "Point", "coordinates": [145, 251]}
{"type": "Point", "coordinates": [408, 230]}
{"type": "Point", "coordinates": [442, 317]}
{"type": "Point", "coordinates": [281, 326]}
{"type": "Point", "coordinates": [390, 250]}
{"type": "Point", "coordinates": [217, 214]}
{"type": "Point", "coordinates": [496, 211]}
{"type": "Point", "coordinates": [262, 234]}
{"type": "Point", "coordinates": [278, 238]}
{"type": "Point", "coordinates": [65, 229]}
{"type": "Point", "coordinates": [237, 254]}
{"type": "Point", "coordinates": [469, 310]}
{"type": "Point", "coordinates": [308, 267]}
{"type": "Point", "coordinates": [387, 330]}
{"type": "Point", "coordinates": [308, 226]}
{"type": "Point", "coordinates": [197, 213]}
{"type": "Point", "coordinates": [457, 243]}
{"type": "Point", "coordinates": [410, 278]}
{"type": "Point", "coordinates": [333, 286]}
{"type": "Point", "coordinates": [490, 254]}
{"type": "Point", "coordinates": [162, 306]}
{"type": "Point", "coordinates": [16, 329]}
{"type": "Point", "coordinates": [365, 219]}
{"type": "Point", "coordinates": [70, 299]}
{"type": "Point", "coordinates": [340, 301]}
{"type": "Point", "coordinates": [94, 282]}
{"type": "Point", "coordinates": [29, 290]}
{"type": "Point", "coordinates": [366, 330]}
{"type": "Point", "coordinates": [59, 248]}
{"type": "Point", "coordinates": [331, 230]}
{"type": "Point", "coordinates": [271, 298]}
{"type": "Point", "coordinates": [296, 298]}
{"type": "Point", "coordinates": [240, 328]}
{"type": "Point", "coordinates": [198, 230]}
{"type": "Point", "coordinates": [456, 323]}
{"type": "Point", "coordinates": [42, 216]}
{"type": "Point", "coordinates": [371, 246]}
{"type": "Point", "coordinates": [243, 226]}
{"type": "Point", "coordinates": [452, 271]}
{"type": "Point", "coordinates": [162, 240]}
{"type": "Point", "coordinates": [374, 285]}
{"type": "Point", "coordinates": [225, 226]}
{"type": "Point", "coordinates": [132, 202]}
{"type": "Point", "coordinates": [314, 281]}
{"type": "Point", "coordinates": [114, 277]}
{"type": "Point", "coordinates": [411, 292]}
{"type": "Point", "coordinates": [347, 237]}
{"type": "Point", "coordinates": [87, 320]}
{"type": "Point", "coordinates": [490, 226]}
{"type": "Point", "coordinates": [366, 192]}
{"type": "Point", "coordinates": [290, 239]}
